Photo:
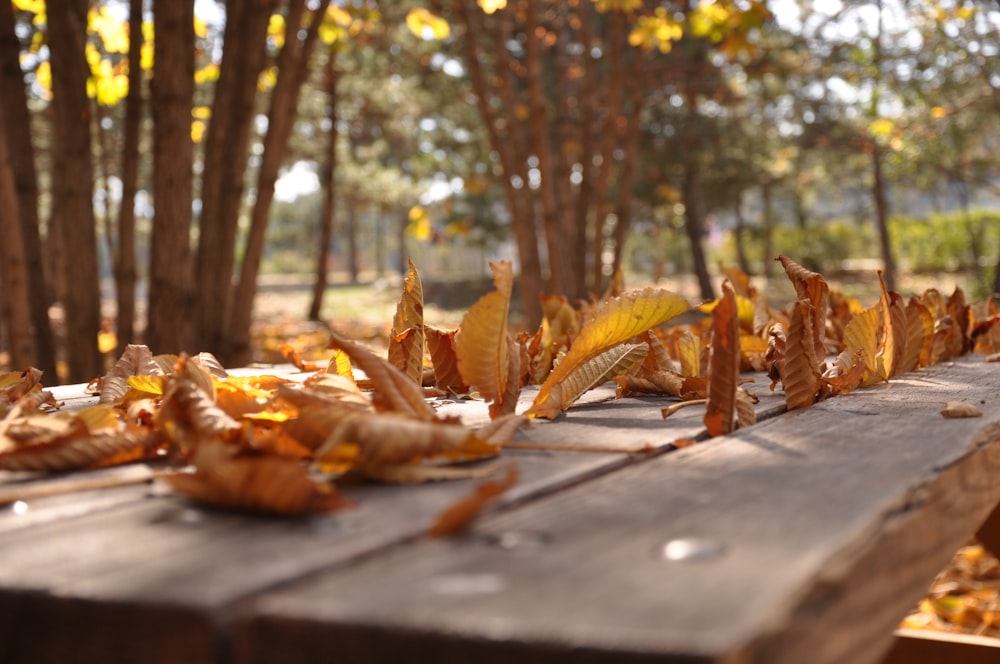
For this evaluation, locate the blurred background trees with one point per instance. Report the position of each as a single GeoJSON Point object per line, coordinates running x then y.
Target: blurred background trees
{"type": "Point", "coordinates": [157, 157]}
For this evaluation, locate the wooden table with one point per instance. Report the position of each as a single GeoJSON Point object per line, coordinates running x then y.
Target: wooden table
{"type": "Point", "coordinates": [805, 538]}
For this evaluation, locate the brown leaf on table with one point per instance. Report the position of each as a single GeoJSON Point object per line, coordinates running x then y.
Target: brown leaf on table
{"type": "Point", "coordinates": [460, 515]}
{"type": "Point", "coordinates": [137, 360]}
{"type": "Point", "coordinates": [985, 336]}
{"type": "Point", "coordinates": [845, 375]}
{"type": "Point", "coordinates": [961, 315]}
{"type": "Point", "coordinates": [609, 365]}
{"type": "Point", "coordinates": [441, 346]}
{"type": "Point", "coordinates": [482, 346]}
{"type": "Point", "coordinates": [774, 356]}
{"type": "Point", "coordinates": [611, 323]}
{"type": "Point", "coordinates": [406, 340]}
{"type": "Point", "coordinates": [919, 336]}
{"type": "Point", "coordinates": [293, 357]}
{"type": "Point", "coordinates": [16, 384]}
{"type": "Point", "coordinates": [394, 391]}
{"type": "Point", "coordinates": [862, 335]}
{"type": "Point", "coordinates": [386, 439]}
{"type": "Point", "coordinates": [64, 441]}
{"type": "Point", "coordinates": [669, 383]}
{"type": "Point", "coordinates": [746, 415]}
{"type": "Point", "coordinates": [253, 482]}
{"type": "Point", "coordinates": [689, 353]}
{"type": "Point", "coordinates": [188, 416]}
{"type": "Point", "coordinates": [892, 343]}
{"type": "Point", "coordinates": [961, 409]}
{"type": "Point", "coordinates": [811, 287]}
{"type": "Point", "coordinates": [340, 365]}
{"type": "Point", "coordinates": [723, 364]}
{"type": "Point", "coordinates": [800, 371]}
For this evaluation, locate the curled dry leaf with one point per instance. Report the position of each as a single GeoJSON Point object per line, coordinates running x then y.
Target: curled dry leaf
{"type": "Point", "coordinates": [800, 369]}
{"type": "Point", "coordinates": [919, 336]}
{"type": "Point", "coordinates": [481, 344]}
{"type": "Point", "coordinates": [861, 336]}
{"type": "Point", "coordinates": [609, 365]}
{"type": "Point", "coordinates": [723, 364]}
{"type": "Point", "coordinates": [612, 323]}
{"type": "Point", "coordinates": [668, 383]}
{"type": "Point", "coordinates": [441, 346]}
{"type": "Point", "coordinates": [811, 287]}
{"type": "Point", "coordinates": [746, 415]}
{"type": "Point", "coordinates": [394, 391]}
{"type": "Point", "coordinates": [893, 338]}
{"type": "Point", "coordinates": [293, 357]}
{"type": "Point", "coordinates": [14, 385]}
{"type": "Point", "coordinates": [458, 516]}
{"type": "Point", "coordinates": [960, 409]}
{"type": "Point", "coordinates": [253, 482]}
{"type": "Point", "coordinates": [406, 340]}
{"type": "Point", "coordinates": [188, 416]}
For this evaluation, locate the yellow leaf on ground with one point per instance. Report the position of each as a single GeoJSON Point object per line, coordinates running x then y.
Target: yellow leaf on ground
{"type": "Point", "coordinates": [723, 364]}
{"type": "Point", "coordinates": [613, 322]}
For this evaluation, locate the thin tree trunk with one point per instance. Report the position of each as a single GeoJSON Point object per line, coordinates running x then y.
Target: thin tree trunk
{"type": "Point", "coordinates": [694, 225]}
{"type": "Point", "coordinates": [739, 235]}
{"type": "Point", "coordinates": [125, 271]}
{"type": "Point", "coordinates": [353, 263]}
{"type": "Point", "coordinates": [14, 309]}
{"type": "Point", "coordinates": [522, 216]}
{"type": "Point", "coordinates": [609, 134]}
{"type": "Point", "coordinates": [17, 126]}
{"type": "Point", "coordinates": [329, 190]}
{"type": "Point", "coordinates": [293, 66]}
{"type": "Point", "coordinates": [767, 223]}
{"type": "Point", "coordinates": [882, 219]}
{"type": "Point", "coordinates": [629, 163]}
{"type": "Point", "coordinates": [72, 185]}
{"type": "Point", "coordinates": [559, 279]}
{"type": "Point", "coordinates": [226, 142]}
{"type": "Point", "coordinates": [172, 94]}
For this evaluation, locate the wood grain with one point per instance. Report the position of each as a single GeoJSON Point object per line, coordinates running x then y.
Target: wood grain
{"type": "Point", "coordinates": [821, 528]}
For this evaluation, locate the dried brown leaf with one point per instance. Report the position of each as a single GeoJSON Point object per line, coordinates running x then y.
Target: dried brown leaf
{"type": "Point", "coordinates": [481, 344]}
{"type": "Point", "coordinates": [394, 391]}
{"type": "Point", "coordinates": [406, 341]}
{"type": "Point", "coordinates": [723, 364]}
{"type": "Point", "coordinates": [800, 369]}
{"type": "Point", "coordinates": [862, 335]}
{"type": "Point", "coordinates": [961, 409]}
{"type": "Point", "coordinates": [188, 416]}
{"type": "Point", "coordinates": [441, 345]}
{"type": "Point", "coordinates": [746, 415]}
{"type": "Point", "coordinates": [919, 336]}
{"type": "Point", "coordinates": [811, 287]}
{"type": "Point", "coordinates": [458, 516]}
{"type": "Point", "coordinates": [253, 482]}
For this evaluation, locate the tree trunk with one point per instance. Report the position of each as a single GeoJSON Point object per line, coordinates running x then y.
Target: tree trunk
{"type": "Point", "coordinates": [72, 185]}
{"type": "Point", "coordinates": [226, 144]}
{"type": "Point", "coordinates": [14, 309]}
{"type": "Point", "coordinates": [172, 93]}
{"type": "Point", "coordinates": [17, 126]}
{"type": "Point", "coordinates": [559, 279]}
{"type": "Point", "coordinates": [739, 235]}
{"type": "Point", "coordinates": [329, 190]}
{"type": "Point", "coordinates": [882, 218]}
{"type": "Point", "coordinates": [694, 226]}
{"type": "Point", "coordinates": [522, 216]}
{"type": "Point", "coordinates": [767, 223]}
{"type": "Point", "coordinates": [293, 66]}
{"type": "Point", "coordinates": [353, 263]}
{"type": "Point", "coordinates": [629, 163]}
{"type": "Point", "coordinates": [125, 272]}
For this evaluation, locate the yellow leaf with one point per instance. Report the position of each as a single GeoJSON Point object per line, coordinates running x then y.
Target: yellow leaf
{"type": "Point", "coordinates": [33, 6]}
{"type": "Point", "coordinates": [613, 322]}
{"type": "Point", "coordinates": [861, 336]}
{"type": "Point", "coordinates": [406, 341]}
{"type": "Point", "coordinates": [600, 369]}
{"type": "Point", "coordinates": [882, 128]}
{"type": "Point", "coordinates": [723, 364]}
{"type": "Point", "coordinates": [481, 345]}
{"type": "Point", "coordinates": [491, 6]}
{"type": "Point", "coordinates": [811, 287]}
{"type": "Point", "coordinates": [147, 384]}
{"type": "Point", "coordinates": [426, 25]}
{"type": "Point", "coordinates": [198, 128]}
{"type": "Point", "coordinates": [200, 27]}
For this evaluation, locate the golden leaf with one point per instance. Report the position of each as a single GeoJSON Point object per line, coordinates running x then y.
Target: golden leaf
{"type": "Point", "coordinates": [892, 346]}
{"type": "Point", "coordinates": [612, 323]}
{"type": "Point", "coordinates": [253, 482]}
{"type": "Point", "coordinates": [406, 341]}
{"type": "Point", "coordinates": [340, 365]}
{"type": "Point", "coordinates": [800, 368]}
{"type": "Point", "coordinates": [861, 335]}
{"type": "Point", "coordinates": [689, 353]}
{"type": "Point", "coordinates": [386, 439]}
{"type": "Point", "coordinates": [188, 416]}
{"type": "Point", "coordinates": [458, 516]}
{"type": "Point", "coordinates": [441, 345]}
{"type": "Point", "coordinates": [481, 344]}
{"type": "Point", "coordinates": [507, 402]}
{"type": "Point", "coordinates": [811, 287]}
{"type": "Point", "coordinates": [135, 361]}
{"type": "Point", "coordinates": [426, 25]}
{"type": "Point", "coordinates": [723, 364]}
{"type": "Point", "coordinates": [394, 391]}
{"type": "Point", "coordinates": [960, 409]}
{"type": "Point", "coordinates": [598, 370]}
{"type": "Point", "coordinates": [61, 442]}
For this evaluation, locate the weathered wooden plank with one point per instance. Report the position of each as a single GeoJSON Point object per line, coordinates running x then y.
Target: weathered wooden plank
{"type": "Point", "coordinates": [922, 647]}
{"type": "Point", "coordinates": [812, 534]}
{"type": "Point", "coordinates": [160, 559]}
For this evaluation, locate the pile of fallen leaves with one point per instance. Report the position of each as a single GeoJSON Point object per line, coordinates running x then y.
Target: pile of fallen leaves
{"type": "Point", "coordinates": [272, 445]}
{"type": "Point", "coordinates": [965, 597]}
